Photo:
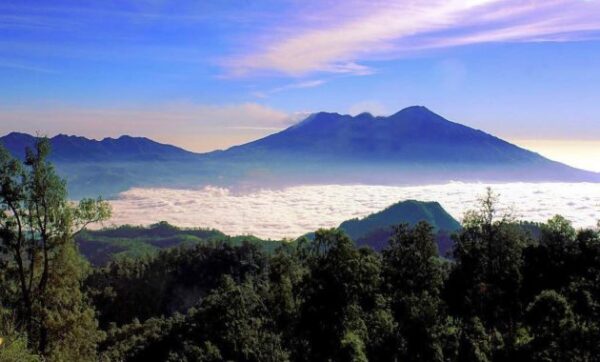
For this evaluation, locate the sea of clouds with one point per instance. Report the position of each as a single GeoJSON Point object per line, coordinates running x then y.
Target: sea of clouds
{"type": "Point", "coordinates": [293, 211]}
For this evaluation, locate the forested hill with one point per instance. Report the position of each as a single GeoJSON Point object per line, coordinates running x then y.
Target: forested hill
{"type": "Point", "coordinates": [376, 229]}
{"type": "Point", "coordinates": [127, 241]}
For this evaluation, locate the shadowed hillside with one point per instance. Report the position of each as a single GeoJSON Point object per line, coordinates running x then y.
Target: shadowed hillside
{"type": "Point", "coordinates": [376, 229]}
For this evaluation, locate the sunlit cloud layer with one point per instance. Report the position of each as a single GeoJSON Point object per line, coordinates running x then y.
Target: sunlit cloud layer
{"type": "Point", "coordinates": [584, 154]}
{"type": "Point", "coordinates": [346, 37]}
{"type": "Point", "coordinates": [294, 211]}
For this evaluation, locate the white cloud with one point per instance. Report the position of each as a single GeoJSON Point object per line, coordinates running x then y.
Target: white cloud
{"type": "Point", "coordinates": [294, 211]}
{"type": "Point", "coordinates": [390, 29]}
{"type": "Point", "coordinates": [376, 108]}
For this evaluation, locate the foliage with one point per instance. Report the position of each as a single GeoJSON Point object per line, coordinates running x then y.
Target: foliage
{"type": "Point", "coordinates": [126, 241]}
{"type": "Point", "coordinates": [327, 300]}
{"type": "Point", "coordinates": [42, 269]}
{"type": "Point", "coordinates": [512, 291]}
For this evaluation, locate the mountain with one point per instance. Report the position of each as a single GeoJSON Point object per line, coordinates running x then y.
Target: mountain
{"type": "Point", "coordinates": [80, 149]}
{"type": "Point", "coordinates": [107, 167]}
{"type": "Point", "coordinates": [376, 229]}
{"type": "Point", "coordinates": [412, 146]}
{"type": "Point", "coordinates": [414, 134]}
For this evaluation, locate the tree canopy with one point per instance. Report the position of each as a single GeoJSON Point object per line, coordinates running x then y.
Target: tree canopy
{"type": "Point", "coordinates": [510, 291]}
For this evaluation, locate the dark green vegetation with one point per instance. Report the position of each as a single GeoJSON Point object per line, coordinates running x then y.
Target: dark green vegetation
{"type": "Point", "coordinates": [413, 145]}
{"type": "Point", "coordinates": [102, 246]}
{"type": "Point", "coordinates": [505, 296]}
{"type": "Point", "coordinates": [41, 270]}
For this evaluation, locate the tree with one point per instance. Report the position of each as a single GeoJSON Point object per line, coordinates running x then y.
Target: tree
{"type": "Point", "coordinates": [486, 279]}
{"type": "Point", "coordinates": [13, 345]}
{"type": "Point", "coordinates": [235, 319]}
{"type": "Point", "coordinates": [44, 269]}
{"type": "Point", "coordinates": [342, 314]}
{"type": "Point", "coordinates": [552, 263]}
{"type": "Point", "coordinates": [413, 277]}
{"type": "Point", "coordinates": [474, 343]}
{"type": "Point", "coordinates": [552, 325]}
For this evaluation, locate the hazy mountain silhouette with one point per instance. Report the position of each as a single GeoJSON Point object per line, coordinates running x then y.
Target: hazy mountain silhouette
{"type": "Point", "coordinates": [412, 146]}
{"type": "Point", "coordinates": [80, 149]}
{"type": "Point", "coordinates": [414, 134]}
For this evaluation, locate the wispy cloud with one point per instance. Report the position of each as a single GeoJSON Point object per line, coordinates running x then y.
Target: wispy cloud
{"type": "Point", "coordinates": [390, 29]}
{"type": "Point", "coordinates": [296, 85]}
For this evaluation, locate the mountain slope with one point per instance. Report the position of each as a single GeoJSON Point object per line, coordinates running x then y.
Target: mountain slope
{"type": "Point", "coordinates": [414, 134]}
{"type": "Point", "coordinates": [376, 229]}
{"type": "Point", "coordinates": [412, 145]}
{"type": "Point", "coordinates": [80, 149]}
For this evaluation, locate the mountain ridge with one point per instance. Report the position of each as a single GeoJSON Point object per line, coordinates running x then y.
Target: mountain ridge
{"type": "Point", "coordinates": [72, 148]}
{"type": "Point", "coordinates": [411, 146]}
{"type": "Point", "coordinates": [409, 134]}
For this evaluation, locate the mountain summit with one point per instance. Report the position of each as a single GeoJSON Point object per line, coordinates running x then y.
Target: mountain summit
{"type": "Point", "coordinates": [414, 145]}
{"type": "Point", "coordinates": [414, 134]}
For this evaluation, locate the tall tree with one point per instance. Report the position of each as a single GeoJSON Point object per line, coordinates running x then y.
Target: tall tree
{"type": "Point", "coordinates": [552, 325]}
{"type": "Point", "coordinates": [44, 269]}
{"type": "Point", "coordinates": [413, 277]}
{"type": "Point", "coordinates": [486, 279]}
{"type": "Point", "coordinates": [342, 316]}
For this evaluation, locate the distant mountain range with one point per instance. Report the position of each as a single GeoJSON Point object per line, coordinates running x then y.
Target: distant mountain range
{"type": "Point", "coordinates": [80, 149]}
{"type": "Point", "coordinates": [411, 146]}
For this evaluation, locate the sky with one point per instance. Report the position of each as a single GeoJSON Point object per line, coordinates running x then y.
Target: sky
{"type": "Point", "coordinates": [210, 74]}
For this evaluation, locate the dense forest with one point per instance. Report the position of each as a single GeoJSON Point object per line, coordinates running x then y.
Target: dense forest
{"type": "Point", "coordinates": [504, 294]}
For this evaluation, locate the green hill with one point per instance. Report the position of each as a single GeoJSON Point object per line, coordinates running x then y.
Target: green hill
{"type": "Point", "coordinates": [375, 229]}
{"type": "Point", "coordinates": [102, 246]}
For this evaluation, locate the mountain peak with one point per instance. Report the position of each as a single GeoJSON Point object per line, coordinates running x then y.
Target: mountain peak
{"type": "Point", "coordinates": [17, 135]}
{"type": "Point", "coordinates": [412, 113]}
{"type": "Point", "coordinates": [417, 113]}
{"type": "Point", "coordinates": [412, 136]}
{"type": "Point", "coordinates": [364, 115]}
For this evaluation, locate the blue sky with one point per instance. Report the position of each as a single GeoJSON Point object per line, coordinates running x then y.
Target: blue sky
{"type": "Point", "coordinates": [209, 74]}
